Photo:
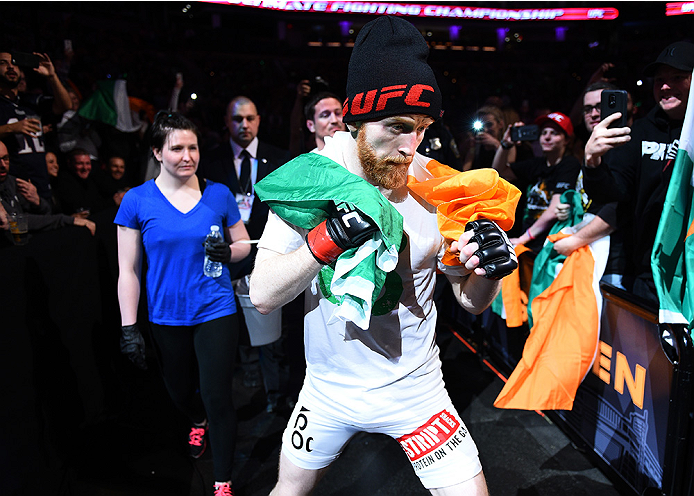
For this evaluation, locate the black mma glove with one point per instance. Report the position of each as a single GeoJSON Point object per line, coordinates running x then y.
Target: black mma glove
{"type": "Point", "coordinates": [217, 250]}
{"type": "Point", "coordinates": [345, 228]}
{"type": "Point", "coordinates": [132, 345]}
{"type": "Point", "coordinates": [496, 254]}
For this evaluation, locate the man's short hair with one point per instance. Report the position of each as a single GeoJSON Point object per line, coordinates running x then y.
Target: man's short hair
{"type": "Point", "coordinates": [599, 85]}
{"type": "Point", "coordinates": [75, 152]}
{"type": "Point", "coordinates": [310, 107]}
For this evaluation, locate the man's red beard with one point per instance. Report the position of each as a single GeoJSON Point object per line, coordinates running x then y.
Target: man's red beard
{"type": "Point", "coordinates": [388, 172]}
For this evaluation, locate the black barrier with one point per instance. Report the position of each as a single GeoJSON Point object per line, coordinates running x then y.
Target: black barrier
{"type": "Point", "coordinates": [58, 344]}
{"type": "Point", "coordinates": [634, 408]}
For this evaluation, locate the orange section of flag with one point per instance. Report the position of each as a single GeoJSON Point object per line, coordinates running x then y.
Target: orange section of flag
{"type": "Point", "coordinates": [138, 104]}
{"type": "Point", "coordinates": [561, 347]}
{"type": "Point", "coordinates": [460, 197]}
{"type": "Point", "coordinates": [690, 231]}
{"type": "Point", "coordinates": [515, 299]}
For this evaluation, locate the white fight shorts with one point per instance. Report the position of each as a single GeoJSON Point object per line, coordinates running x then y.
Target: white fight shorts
{"type": "Point", "coordinates": [430, 432]}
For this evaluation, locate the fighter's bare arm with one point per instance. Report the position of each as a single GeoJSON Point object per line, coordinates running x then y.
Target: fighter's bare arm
{"type": "Point", "coordinates": [278, 278]}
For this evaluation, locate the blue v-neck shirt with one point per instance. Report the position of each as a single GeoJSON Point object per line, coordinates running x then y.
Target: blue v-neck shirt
{"type": "Point", "coordinates": [178, 293]}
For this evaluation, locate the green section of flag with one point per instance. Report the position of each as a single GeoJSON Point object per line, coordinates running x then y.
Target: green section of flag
{"type": "Point", "coordinates": [672, 258]}
{"type": "Point", "coordinates": [304, 192]}
{"type": "Point", "coordinates": [101, 106]}
{"type": "Point", "coordinates": [497, 305]}
{"type": "Point", "coordinates": [546, 262]}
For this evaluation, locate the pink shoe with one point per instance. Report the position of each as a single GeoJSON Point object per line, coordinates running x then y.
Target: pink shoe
{"type": "Point", "coordinates": [197, 441]}
{"type": "Point", "coordinates": [223, 489]}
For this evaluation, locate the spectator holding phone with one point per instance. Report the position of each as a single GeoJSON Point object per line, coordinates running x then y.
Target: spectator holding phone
{"type": "Point", "coordinates": [487, 132]}
{"type": "Point", "coordinates": [602, 220]}
{"type": "Point", "coordinates": [638, 169]}
{"type": "Point", "coordinates": [548, 176]}
{"type": "Point", "coordinates": [21, 114]}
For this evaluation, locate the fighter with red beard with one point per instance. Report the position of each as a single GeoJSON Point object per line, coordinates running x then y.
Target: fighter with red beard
{"type": "Point", "coordinates": [378, 373]}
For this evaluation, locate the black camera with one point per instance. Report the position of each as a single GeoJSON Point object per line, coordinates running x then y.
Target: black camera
{"type": "Point", "coordinates": [26, 60]}
{"type": "Point", "coordinates": [525, 133]}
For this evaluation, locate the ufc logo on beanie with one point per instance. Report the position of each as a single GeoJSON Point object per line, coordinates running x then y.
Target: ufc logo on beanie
{"type": "Point", "coordinates": [389, 74]}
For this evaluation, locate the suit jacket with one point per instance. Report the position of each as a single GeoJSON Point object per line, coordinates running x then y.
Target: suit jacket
{"type": "Point", "coordinates": [218, 166]}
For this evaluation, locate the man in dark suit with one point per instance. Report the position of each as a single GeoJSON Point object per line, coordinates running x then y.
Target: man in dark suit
{"type": "Point", "coordinates": [225, 164]}
{"type": "Point", "coordinates": [239, 163]}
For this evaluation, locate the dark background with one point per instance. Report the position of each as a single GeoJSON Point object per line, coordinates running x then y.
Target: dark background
{"type": "Point", "coordinates": [225, 50]}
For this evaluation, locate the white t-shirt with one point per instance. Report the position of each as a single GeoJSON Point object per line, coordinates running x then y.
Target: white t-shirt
{"type": "Point", "coordinates": [397, 356]}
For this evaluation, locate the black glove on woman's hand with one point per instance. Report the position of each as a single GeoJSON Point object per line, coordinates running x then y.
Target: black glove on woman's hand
{"type": "Point", "coordinates": [218, 250]}
{"type": "Point", "coordinates": [132, 345]}
{"type": "Point", "coordinates": [496, 253]}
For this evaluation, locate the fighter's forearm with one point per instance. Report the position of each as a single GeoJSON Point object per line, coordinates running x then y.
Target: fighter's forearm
{"type": "Point", "coordinates": [474, 293]}
{"type": "Point", "coordinates": [279, 278]}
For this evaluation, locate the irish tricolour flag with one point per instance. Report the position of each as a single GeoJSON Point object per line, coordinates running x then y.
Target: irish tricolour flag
{"type": "Point", "coordinates": [109, 104]}
{"type": "Point", "coordinates": [672, 259]}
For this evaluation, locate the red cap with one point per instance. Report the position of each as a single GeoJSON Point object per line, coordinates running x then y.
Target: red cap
{"type": "Point", "coordinates": [562, 120]}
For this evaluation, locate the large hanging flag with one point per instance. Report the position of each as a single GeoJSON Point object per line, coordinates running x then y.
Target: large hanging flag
{"type": "Point", "coordinates": [561, 347]}
{"type": "Point", "coordinates": [513, 304]}
{"type": "Point", "coordinates": [110, 104]}
{"type": "Point", "coordinates": [548, 262]}
{"type": "Point", "coordinates": [672, 259]}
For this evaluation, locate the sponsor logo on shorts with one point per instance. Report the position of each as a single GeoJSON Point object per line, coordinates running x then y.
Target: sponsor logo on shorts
{"type": "Point", "coordinates": [299, 439]}
{"type": "Point", "coordinates": [431, 442]}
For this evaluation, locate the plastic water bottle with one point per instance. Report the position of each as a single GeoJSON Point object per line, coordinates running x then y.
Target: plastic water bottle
{"type": "Point", "coordinates": [213, 269]}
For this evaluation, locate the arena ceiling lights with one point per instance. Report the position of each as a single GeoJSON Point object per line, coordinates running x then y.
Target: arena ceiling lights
{"type": "Point", "coordinates": [443, 11]}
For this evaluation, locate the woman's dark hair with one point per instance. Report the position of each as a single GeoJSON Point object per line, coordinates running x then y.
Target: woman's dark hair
{"type": "Point", "coordinates": [166, 122]}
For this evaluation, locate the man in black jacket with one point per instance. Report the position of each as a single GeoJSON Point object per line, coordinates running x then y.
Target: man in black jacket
{"type": "Point", "coordinates": [225, 165]}
{"type": "Point", "coordinates": [638, 173]}
{"type": "Point", "coordinates": [20, 117]}
{"type": "Point", "coordinates": [239, 163]}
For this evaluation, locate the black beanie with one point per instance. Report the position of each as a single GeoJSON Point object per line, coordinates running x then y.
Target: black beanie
{"type": "Point", "coordinates": [388, 73]}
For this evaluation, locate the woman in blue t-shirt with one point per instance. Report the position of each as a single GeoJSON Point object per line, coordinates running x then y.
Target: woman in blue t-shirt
{"type": "Point", "coordinates": [193, 317]}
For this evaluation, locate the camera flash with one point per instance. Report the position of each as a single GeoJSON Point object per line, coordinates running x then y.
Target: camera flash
{"type": "Point", "coordinates": [477, 126]}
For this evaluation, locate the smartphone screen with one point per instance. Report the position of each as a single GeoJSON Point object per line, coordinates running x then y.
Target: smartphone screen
{"type": "Point", "coordinates": [611, 102]}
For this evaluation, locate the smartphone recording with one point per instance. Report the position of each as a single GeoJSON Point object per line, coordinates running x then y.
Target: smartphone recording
{"type": "Point", "coordinates": [26, 60]}
{"type": "Point", "coordinates": [525, 133]}
{"type": "Point", "coordinates": [611, 102]}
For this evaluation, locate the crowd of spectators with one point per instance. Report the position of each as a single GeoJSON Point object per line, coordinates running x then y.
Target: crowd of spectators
{"type": "Point", "coordinates": [81, 167]}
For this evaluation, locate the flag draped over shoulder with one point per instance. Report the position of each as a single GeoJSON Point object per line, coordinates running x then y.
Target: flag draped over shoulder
{"type": "Point", "coordinates": [109, 104]}
{"type": "Point", "coordinates": [561, 347]}
{"type": "Point", "coordinates": [672, 258]}
{"type": "Point", "coordinates": [302, 192]}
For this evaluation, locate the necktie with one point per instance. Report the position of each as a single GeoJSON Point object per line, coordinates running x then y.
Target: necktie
{"type": "Point", "coordinates": [245, 177]}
